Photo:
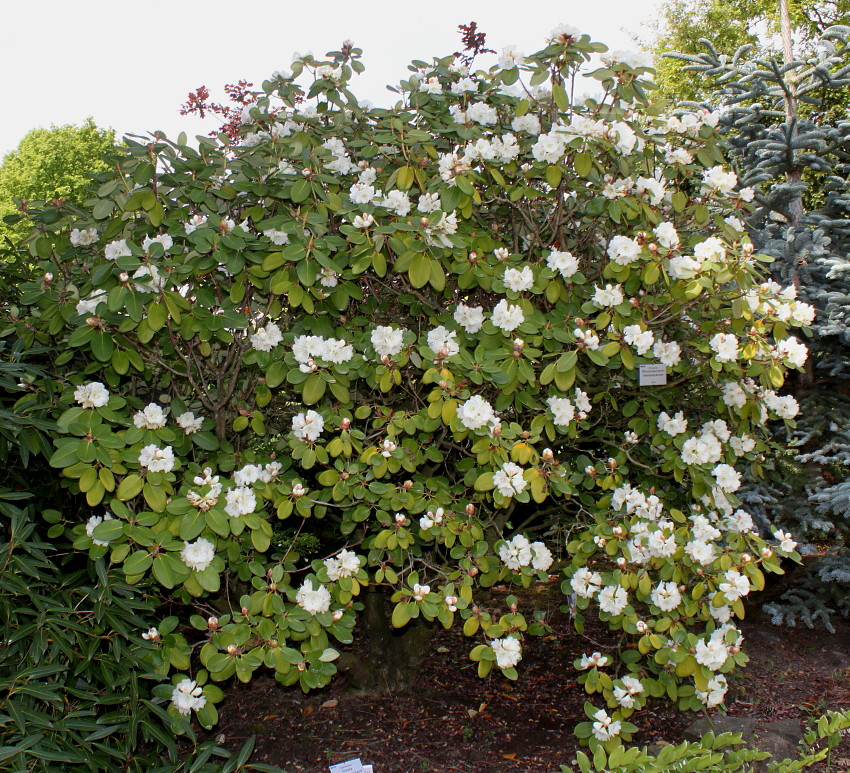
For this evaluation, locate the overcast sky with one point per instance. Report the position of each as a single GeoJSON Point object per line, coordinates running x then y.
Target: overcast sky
{"type": "Point", "coordinates": [130, 66]}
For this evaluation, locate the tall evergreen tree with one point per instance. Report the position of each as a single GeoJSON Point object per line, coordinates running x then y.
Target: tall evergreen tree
{"type": "Point", "coordinates": [787, 127]}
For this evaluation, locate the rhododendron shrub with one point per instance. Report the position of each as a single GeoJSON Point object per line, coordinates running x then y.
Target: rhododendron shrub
{"type": "Point", "coordinates": [420, 333]}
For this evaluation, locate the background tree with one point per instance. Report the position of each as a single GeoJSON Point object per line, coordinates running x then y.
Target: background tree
{"type": "Point", "coordinates": [54, 163]}
{"type": "Point", "coordinates": [786, 124]}
{"type": "Point", "coordinates": [729, 26]}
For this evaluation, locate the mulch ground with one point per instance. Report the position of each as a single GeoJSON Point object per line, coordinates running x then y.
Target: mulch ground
{"type": "Point", "coordinates": [454, 722]}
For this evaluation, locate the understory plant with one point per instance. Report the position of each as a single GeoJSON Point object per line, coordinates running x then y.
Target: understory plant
{"type": "Point", "coordinates": [453, 341]}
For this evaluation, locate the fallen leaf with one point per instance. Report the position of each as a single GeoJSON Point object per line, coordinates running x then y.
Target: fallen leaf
{"type": "Point", "coordinates": [511, 756]}
{"type": "Point", "coordinates": [471, 712]}
{"type": "Point", "coordinates": [307, 711]}
{"type": "Point", "coordinates": [330, 704]}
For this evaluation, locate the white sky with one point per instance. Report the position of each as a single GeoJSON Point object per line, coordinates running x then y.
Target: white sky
{"type": "Point", "coordinates": [131, 65]}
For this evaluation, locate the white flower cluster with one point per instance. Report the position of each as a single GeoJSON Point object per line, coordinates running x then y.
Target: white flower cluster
{"type": "Point", "coordinates": [508, 651]}
{"type": "Point", "coordinates": [187, 697]}
{"type": "Point", "coordinates": [344, 564]}
{"type": "Point", "coordinates": [83, 238]}
{"type": "Point", "coordinates": [308, 426]}
{"type": "Point", "coordinates": [266, 338]}
{"type": "Point", "coordinates": [519, 552]}
{"type": "Point", "coordinates": [509, 479]}
{"type": "Point", "coordinates": [91, 395]}
{"type": "Point", "coordinates": [198, 555]}
{"type": "Point", "coordinates": [157, 459]}
{"type": "Point", "coordinates": [443, 341]}
{"type": "Point", "coordinates": [152, 416]}
{"type": "Point", "coordinates": [189, 423]}
{"type": "Point", "coordinates": [387, 341]}
{"type": "Point", "coordinates": [476, 413]}
{"type": "Point", "coordinates": [470, 318]}
{"type": "Point", "coordinates": [312, 600]}
{"type": "Point", "coordinates": [307, 349]}
{"type": "Point", "coordinates": [93, 523]}
{"type": "Point", "coordinates": [207, 501]}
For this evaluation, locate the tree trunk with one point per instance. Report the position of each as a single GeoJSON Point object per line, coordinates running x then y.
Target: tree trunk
{"type": "Point", "coordinates": [392, 664]}
{"type": "Point", "coordinates": [793, 175]}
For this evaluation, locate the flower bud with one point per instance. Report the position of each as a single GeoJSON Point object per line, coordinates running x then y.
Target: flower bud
{"type": "Point", "coordinates": [590, 470]}
{"type": "Point", "coordinates": [244, 611]}
{"type": "Point", "coordinates": [48, 278]}
{"type": "Point", "coordinates": [470, 509]}
{"type": "Point", "coordinates": [400, 519]}
{"type": "Point", "coordinates": [618, 531]}
{"type": "Point", "coordinates": [212, 622]}
{"type": "Point", "coordinates": [746, 558]}
{"type": "Point", "coordinates": [407, 485]}
{"type": "Point", "coordinates": [621, 562]}
{"type": "Point", "coordinates": [231, 649]}
{"type": "Point", "coordinates": [641, 626]}
{"type": "Point", "coordinates": [548, 455]}
{"type": "Point", "coordinates": [345, 424]}
{"type": "Point", "coordinates": [612, 462]}
{"type": "Point", "coordinates": [767, 552]}
{"type": "Point", "coordinates": [472, 571]}
{"type": "Point", "coordinates": [337, 614]}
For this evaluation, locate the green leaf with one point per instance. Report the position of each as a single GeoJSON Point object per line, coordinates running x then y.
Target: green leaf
{"type": "Point", "coordinates": [314, 389]}
{"type": "Point", "coordinates": [129, 487]}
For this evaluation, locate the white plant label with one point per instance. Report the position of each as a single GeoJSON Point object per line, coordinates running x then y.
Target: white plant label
{"type": "Point", "coordinates": [653, 374]}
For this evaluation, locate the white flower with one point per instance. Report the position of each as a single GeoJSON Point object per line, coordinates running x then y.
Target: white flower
{"type": "Point", "coordinates": [431, 86]}
{"type": "Point", "coordinates": [83, 238]}
{"type": "Point", "coordinates": [612, 295]}
{"type": "Point", "coordinates": [786, 544]}
{"type": "Point", "coordinates": [666, 596]}
{"type": "Point", "coordinates": [715, 692]}
{"type": "Point", "coordinates": [152, 417]}
{"type": "Point", "coordinates": [511, 57]}
{"type": "Point", "coordinates": [152, 634]}
{"type": "Point", "coordinates": [747, 194]}
{"type": "Point", "coordinates": [625, 695]}
{"type": "Point", "coordinates": [740, 521]}
{"type": "Point", "coordinates": [563, 262]}
{"type": "Point", "coordinates": [188, 697]}
{"type": "Point", "coordinates": [470, 318]}
{"type": "Point", "coordinates": [710, 249]}
{"type": "Point", "coordinates": [587, 338]}
{"type": "Point", "coordinates": [673, 426]}
{"type": "Point", "coordinates": [734, 223]}
{"type": "Point", "coordinates": [157, 459]}
{"type": "Point", "coordinates": [655, 189]}
{"type": "Point", "coordinates": [528, 123]}
{"type": "Point", "coordinates": [705, 449]}
{"type": "Point", "coordinates": [240, 501]}
{"type": "Point", "coordinates": [149, 279]}
{"type": "Point", "coordinates": [314, 601]}
{"type": "Point", "coordinates": [586, 583]}
{"type": "Point", "coordinates": [509, 479]}
{"type": "Point", "coordinates": [642, 340]}
{"type": "Point", "coordinates": [701, 552]}
{"type": "Point", "coordinates": [398, 202]}
{"type": "Point", "coordinates": [727, 477]}
{"type": "Point", "coordinates": [189, 423]}
{"type": "Point", "coordinates": [475, 413]}
{"type": "Point", "coordinates": [596, 660]}
{"type": "Point", "coordinates": [582, 401]}
{"type": "Point", "coordinates": [669, 353]}
{"type": "Point", "coordinates": [442, 341]}
{"type": "Point", "coordinates": [345, 564]}
{"type": "Point", "coordinates": [549, 148]}
{"type": "Point", "coordinates": [507, 317]}
{"type": "Point", "coordinates": [164, 240]}
{"type": "Point", "coordinates": [308, 426]}
{"type": "Point", "coordinates": [667, 236]}
{"type": "Point", "coordinates": [508, 651]}
{"type": "Point", "coordinates": [735, 586]}
{"type": "Point", "coordinates": [387, 341]}
{"type": "Point", "coordinates": [116, 249]}
{"type": "Point", "coordinates": [542, 557]}
{"type": "Point", "coordinates": [733, 395]}
{"type": "Point", "coordinates": [716, 180]}
{"type": "Point", "coordinates": [388, 447]}
{"type": "Point", "coordinates": [519, 280]}
{"type": "Point", "coordinates": [429, 202]}
{"type": "Point", "coordinates": [623, 250]}
{"type": "Point", "coordinates": [725, 346]}
{"type": "Point", "coordinates": [360, 193]}
{"type": "Point", "coordinates": [563, 411]}
{"type": "Point", "coordinates": [482, 113]}
{"type": "Point", "coordinates": [712, 653]}
{"type": "Point", "coordinates": [198, 555]}
{"type": "Point", "coordinates": [266, 338]}
{"type": "Point", "coordinates": [91, 395]}
{"type": "Point", "coordinates": [795, 352]}
{"type": "Point", "coordinates": [786, 407]}
{"type": "Point", "coordinates": [677, 156]}
{"type": "Point", "coordinates": [195, 222]}
{"type": "Point", "coordinates": [363, 221]}
{"type": "Point", "coordinates": [94, 522]}
{"type": "Point", "coordinates": [516, 552]}
{"type": "Point", "coordinates": [613, 599]}
{"type": "Point", "coordinates": [276, 237]}
{"type": "Point", "coordinates": [564, 33]}
{"type": "Point", "coordinates": [605, 728]}
{"type": "Point", "coordinates": [88, 306]}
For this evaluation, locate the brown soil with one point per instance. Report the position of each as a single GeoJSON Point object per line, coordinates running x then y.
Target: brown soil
{"type": "Point", "coordinates": [454, 722]}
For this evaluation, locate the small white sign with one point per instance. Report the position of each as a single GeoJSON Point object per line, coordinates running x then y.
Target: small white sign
{"type": "Point", "coordinates": [653, 374]}
{"type": "Point", "coordinates": [349, 766]}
